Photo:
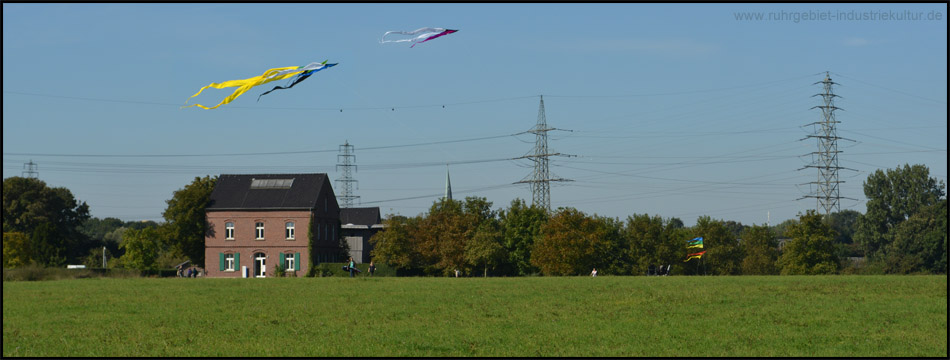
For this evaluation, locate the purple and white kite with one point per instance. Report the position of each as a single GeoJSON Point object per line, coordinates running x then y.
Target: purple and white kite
{"type": "Point", "coordinates": [418, 36]}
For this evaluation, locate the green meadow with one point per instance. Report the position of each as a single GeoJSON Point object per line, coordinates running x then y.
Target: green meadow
{"type": "Point", "coordinates": [678, 316]}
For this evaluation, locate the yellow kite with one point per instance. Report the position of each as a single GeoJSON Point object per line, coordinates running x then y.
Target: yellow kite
{"type": "Point", "coordinates": [246, 84]}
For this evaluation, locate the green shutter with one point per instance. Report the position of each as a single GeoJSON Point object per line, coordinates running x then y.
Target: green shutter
{"type": "Point", "coordinates": [237, 261]}
{"type": "Point", "coordinates": [221, 262]}
{"type": "Point", "coordinates": [283, 260]}
{"type": "Point", "coordinates": [296, 261]}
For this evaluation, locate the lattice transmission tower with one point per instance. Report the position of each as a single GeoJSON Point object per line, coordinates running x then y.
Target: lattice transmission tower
{"type": "Point", "coordinates": [346, 182]}
{"type": "Point", "coordinates": [828, 191]}
{"type": "Point", "coordinates": [30, 171]}
{"type": "Point", "coordinates": [540, 179]}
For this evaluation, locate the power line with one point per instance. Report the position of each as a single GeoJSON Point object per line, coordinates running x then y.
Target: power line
{"type": "Point", "coordinates": [351, 108]}
{"type": "Point", "coordinates": [684, 92]}
{"type": "Point", "coordinates": [440, 195]}
{"type": "Point", "coordinates": [892, 90]}
{"type": "Point", "coordinates": [190, 169]}
{"type": "Point", "coordinates": [265, 153]}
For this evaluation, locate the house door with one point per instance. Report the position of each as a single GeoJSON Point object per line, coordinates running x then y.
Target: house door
{"type": "Point", "coordinates": [260, 267]}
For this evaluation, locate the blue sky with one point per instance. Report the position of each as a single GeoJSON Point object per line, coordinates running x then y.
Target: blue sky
{"type": "Point", "coordinates": [675, 110]}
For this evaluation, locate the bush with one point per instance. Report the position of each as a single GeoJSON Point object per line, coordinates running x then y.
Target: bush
{"type": "Point", "coordinates": [336, 269]}
{"type": "Point", "coordinates": [39, 273]}
{"type": "Point", "coordinates": [323, 270]}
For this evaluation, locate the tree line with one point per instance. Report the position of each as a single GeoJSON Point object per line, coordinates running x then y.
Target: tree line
{"type": "Point", "coordinates": [904, 230]}
{"type": "Point", "coordinates": [48, 227]}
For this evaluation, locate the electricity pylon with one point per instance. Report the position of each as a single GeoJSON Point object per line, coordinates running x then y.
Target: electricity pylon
{"type": "Point", "coordinates": [540, 179]}
{"type": "Point", "coordinates": [346, 189]}
{"type": "Point", "coordinates": [30, 171]}
{"type": "Point", "coordinates": [828, 192]}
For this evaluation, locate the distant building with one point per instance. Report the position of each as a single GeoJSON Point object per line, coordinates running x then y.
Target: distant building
{"type": "Point", "coordinates": [781, 243]}
{"type": "Point", "coordinates": [358, 225]}
{"type": "Point", "coordinates": [259, 221]}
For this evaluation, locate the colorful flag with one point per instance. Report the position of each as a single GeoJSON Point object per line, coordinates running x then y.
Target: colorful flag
{"type": "Point", "coordinates": [696, 240]}
{"type": "Point", "coordinates": [696, 245]}
{"type": "Point", "coordinates": [694, 256]}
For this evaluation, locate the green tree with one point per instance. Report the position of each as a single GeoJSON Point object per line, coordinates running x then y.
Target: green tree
{"type": "Point", "coordinates": [723, 254]}
{"type": "Point", "coordinates": [93, 258]}
{"type": "Point", "coordinates": [675, 223]}
{"type": "Point", "coordinates": [16, 250]}
{"type": "Point", "coordinates": [96, 229]}
{"type": "Point", "coordinates": [844, 223]}
{"type": "Point", "coordinates": [761, 251]}
{"type": "Point", "coordinates": [571, 243]}
{"type": "Point", "coordinates": [613, 256]}
{"type": "Point", "coordinates": [521, 225]}
{"type": "Point", "coordinates": [734, 227]}
{"type": "Point", "coordinates": [780, 228]}
{"type": "Point", "coordinates": [185, 218]}
{"type": "Point", "coordinates": [142, 248]}
{"type": "Point", "coordinates": [113, 241]}
{"type": "Point", "coordinates": [645, 236]}
{"type": "Point", "coordinates": [893, 197]}
{"type": "Point", "coordinates": [811, 250]}
{"type": "Point", "coordinates": [48, 246]}
{"type": "Point", "coordinates": [485, 250]}
{"type": "Point", "coordinates": [483, 247]}
{"type": "Point", "coordinates": [442, 236]}
{"type": "Point", "coordinates": [920, 243]}
{"type": "Point", "coordinates": [396, 245]}
{"type": "Point", "coordinates": [28, 203]}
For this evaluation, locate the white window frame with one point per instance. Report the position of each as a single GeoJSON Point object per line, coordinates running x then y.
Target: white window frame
{"type": "Point", "coordinates": [289, 230]}
{"type": "Point", "coordinates": [228, 262]}
{"type": "Point", "coordinates": [259, 230]}
{"type": "Point", "coordinates": [289, 262]}
{"type": "Point", "coordinates": [229, 230]}
{"type": "Point", "coordinates": [260, 264]}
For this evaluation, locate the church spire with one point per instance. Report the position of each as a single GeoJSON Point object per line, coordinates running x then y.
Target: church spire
{"type": "Point", "coordinates": [448, 184]}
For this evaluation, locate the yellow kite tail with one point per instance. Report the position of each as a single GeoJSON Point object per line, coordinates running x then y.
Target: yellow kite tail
{"type": "Point", "coordinates": [246, 84]}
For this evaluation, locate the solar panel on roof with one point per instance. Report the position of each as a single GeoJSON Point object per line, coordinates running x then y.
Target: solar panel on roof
{"type": "Point", "coordinates": [271, 183]}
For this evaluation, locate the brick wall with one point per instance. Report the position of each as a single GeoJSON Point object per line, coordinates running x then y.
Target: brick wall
{"type": "Point", "coordinates": [275, 242]}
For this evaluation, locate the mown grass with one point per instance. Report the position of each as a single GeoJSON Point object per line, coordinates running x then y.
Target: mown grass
{"type": "Point", "coordinates": [837, 316]}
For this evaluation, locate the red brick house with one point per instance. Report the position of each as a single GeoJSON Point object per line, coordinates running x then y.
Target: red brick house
{"type": "Point", "coordinates": [258, 221]}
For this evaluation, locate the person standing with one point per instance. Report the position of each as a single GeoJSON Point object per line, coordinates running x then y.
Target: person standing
{"type": "Point", "coordinates": [372, 268]}
{"type": "Point", "coordinates": [593, 273]}
{"type": "Point", "coordinates": [352, 264]}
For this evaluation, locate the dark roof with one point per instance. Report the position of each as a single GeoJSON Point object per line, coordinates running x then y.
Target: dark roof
{"type": "Point", "coordinates": [235, 192]}
{"type": "Point", "coordinates": [360, 216]}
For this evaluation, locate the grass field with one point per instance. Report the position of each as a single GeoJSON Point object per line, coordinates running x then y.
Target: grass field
{"type": "Point", "coordinates": [679, 316]}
